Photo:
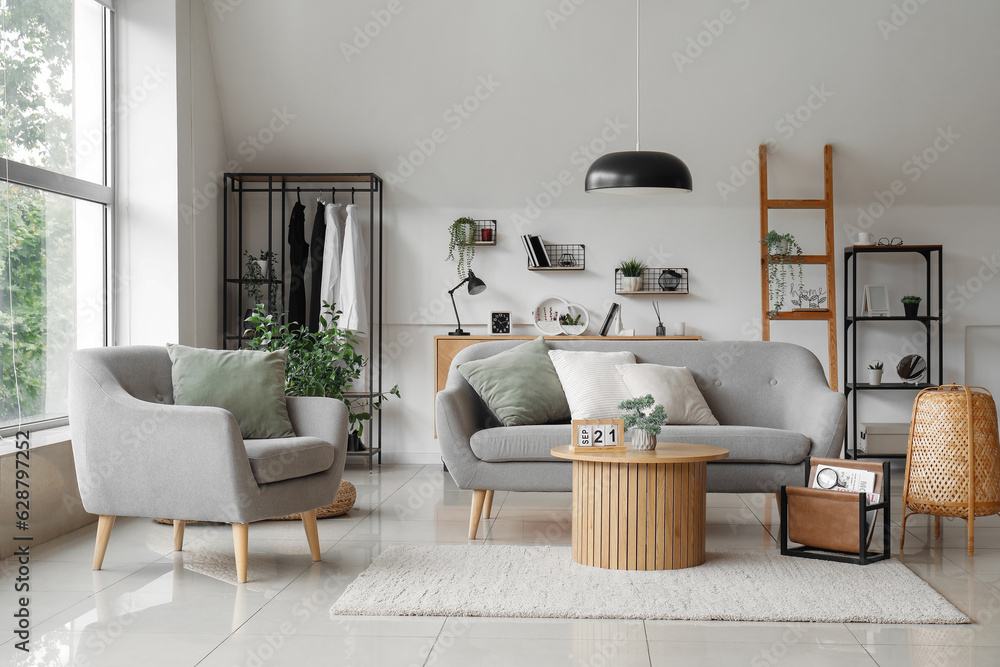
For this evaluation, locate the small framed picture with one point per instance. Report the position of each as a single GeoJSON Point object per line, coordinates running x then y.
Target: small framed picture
{"type": "Point", "coordinates": [876, 302]}
{"type": "Point", "coordinates": [598, 435]}
{"type": "Point", "coordinates": [500, 322]}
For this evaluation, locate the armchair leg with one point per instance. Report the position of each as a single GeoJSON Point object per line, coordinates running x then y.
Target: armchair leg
{"type": "Point", "coordinates": [241, 544]}
{"type": "Point", "coordinates": [312, 534]}
{"type": "Point", "coordinates": [488, 505]}
{"type": "Point", "coordinates": [179, 534]}
{"type": "Point", "coordinates": [104, 525]}
{"type": "Point", "coordinates": [478, 499]}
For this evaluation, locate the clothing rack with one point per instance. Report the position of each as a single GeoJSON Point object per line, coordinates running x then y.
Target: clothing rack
{"type": "Point", "coordinates": [236, 185]}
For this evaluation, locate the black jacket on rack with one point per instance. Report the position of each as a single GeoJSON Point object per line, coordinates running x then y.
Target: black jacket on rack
{"type": "Point", "coordinates": [298, 256]}
{"type": "Point", "coordinates": [316, 265]}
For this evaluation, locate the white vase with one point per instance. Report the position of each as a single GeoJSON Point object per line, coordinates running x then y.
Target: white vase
{"type": "Point", "coordinates": [262, 263]}
{"type": "Point", "coordinates": [874, 377]}
{"type": "Point", "coordinates": [631, 283]}
{"type": "Point", "coordinates": [642, 440]}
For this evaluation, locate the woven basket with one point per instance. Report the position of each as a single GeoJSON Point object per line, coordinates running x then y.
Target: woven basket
{"type": "Point", "coordinates": [953, 425]}
{"type": "Point", "coordinates": [346, 495]}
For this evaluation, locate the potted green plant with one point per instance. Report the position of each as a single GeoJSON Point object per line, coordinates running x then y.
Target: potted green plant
{"type": "Point", "coordinates": [462, 240]}
{"type": "Point", "coordinates": [573, 325]}
{"type": "Point", "coordinates": [780, 250]}
{"type": "Point", "coordinates": [875, 373]}
{"type": "Point", "coordinates": [321, 363]}
{"type": "Point", "coordinates": [911, 304]}
{"type": "Point", "coordinates": [632, 274]}
{"type": "Point", "coordinates": [258, 273]}
{"type": "Point", "coordinates": [644, 420]}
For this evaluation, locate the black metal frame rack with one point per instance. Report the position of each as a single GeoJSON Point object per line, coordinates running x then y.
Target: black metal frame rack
{"type": "Point", "coordinates": [851, 321]}
{"type": "Point", "coordinates": [651, 281]}
{"type": "Point", "coordinates": [281, 185]}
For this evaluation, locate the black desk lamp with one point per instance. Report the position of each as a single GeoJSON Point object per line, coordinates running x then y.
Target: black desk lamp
{"type": "Point", "coordinates": [476, 286]}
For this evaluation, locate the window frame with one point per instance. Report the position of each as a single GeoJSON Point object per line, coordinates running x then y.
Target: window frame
{"type": "Point", "coordinates": [46, 180]}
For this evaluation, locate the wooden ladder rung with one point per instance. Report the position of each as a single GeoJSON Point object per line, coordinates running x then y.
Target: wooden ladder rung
{"type": "Point", "coordinates": [797, 203]}
{"type": "Point", "coordinates": [802, 315]}
{"type": "Point", "coordinates": [806, 259]}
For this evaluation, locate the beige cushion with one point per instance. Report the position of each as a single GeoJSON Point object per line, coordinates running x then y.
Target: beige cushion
{"type": "Point", "coordinates": [592, 383]}
{"type": "Point", "coordinates": [673, 387]}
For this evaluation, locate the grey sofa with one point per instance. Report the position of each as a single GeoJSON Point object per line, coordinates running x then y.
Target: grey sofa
{"type": "Point", "coordinates": [138, 454]}
{"type": "Point", "coordinates": [772, 401]}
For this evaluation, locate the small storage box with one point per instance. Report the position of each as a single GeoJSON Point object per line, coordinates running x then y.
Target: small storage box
{"type": "Point", "coordinates": [880, 438]}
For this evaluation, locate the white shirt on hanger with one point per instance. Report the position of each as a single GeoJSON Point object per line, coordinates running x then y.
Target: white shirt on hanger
{"type": "Point", "coordinates": [353, 299]}
{"type": "Point", "coordinates": [332, 249]}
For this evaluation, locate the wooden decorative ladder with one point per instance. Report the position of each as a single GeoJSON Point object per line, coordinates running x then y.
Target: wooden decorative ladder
{"type": "Point", "coordinates": [826, 259]}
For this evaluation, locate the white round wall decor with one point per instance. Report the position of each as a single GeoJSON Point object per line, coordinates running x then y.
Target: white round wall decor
{"type": "Point", "coordinates": [576, 310]}
{"type": "Point", "coordinates": [546, 315]}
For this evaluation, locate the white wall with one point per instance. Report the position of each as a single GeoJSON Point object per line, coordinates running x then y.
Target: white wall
{"type": "Point", "coordinates": [171, 146]}
{"type": "Point", "coordinates": [559, 92]}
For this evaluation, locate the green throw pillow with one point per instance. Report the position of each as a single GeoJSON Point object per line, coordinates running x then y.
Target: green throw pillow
{"type": "Point", "coordinates": [519, 385]}
{"type": "Point", "coordinates": [248, 383]}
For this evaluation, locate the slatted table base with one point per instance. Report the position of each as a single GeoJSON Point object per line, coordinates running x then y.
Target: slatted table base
{"type": "Point", "coordinates": [637, 516]}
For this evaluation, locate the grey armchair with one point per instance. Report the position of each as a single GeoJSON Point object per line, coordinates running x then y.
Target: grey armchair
{"type": "Point", "coordinates": [138, 454]}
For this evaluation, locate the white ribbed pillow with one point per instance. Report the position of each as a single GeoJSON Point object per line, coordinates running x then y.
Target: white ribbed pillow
{"type": "Point", "coordinates": [592, 383]}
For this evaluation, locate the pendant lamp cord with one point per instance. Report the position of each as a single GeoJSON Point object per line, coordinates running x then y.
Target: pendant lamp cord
{"type": "Point", "coordinates": [637, 2]}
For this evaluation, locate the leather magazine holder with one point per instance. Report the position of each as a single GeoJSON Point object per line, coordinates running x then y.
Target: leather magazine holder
{"type": "Point", "coordinates": [833, 525]}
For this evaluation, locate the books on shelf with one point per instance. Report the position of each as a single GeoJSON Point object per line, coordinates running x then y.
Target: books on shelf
{"type": "Point", "coordinates": [538, 256]}
{"type": "Point", "coordinates": [610, 318]}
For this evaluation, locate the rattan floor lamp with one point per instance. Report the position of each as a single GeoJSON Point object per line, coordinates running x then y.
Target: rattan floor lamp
{"type": "Point", "coordinates": [953, 458]}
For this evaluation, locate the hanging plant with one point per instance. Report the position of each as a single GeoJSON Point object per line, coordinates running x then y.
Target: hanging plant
{"type": "Point", "coordinates": [463, 240]}
{"type": "Point", "coordinates": [780, 251]}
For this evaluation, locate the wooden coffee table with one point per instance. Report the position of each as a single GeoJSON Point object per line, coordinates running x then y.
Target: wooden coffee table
{"type": "Point", "coordinates": [641, 510]}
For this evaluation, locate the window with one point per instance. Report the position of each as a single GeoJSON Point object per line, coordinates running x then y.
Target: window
{"type": "Point", "coordinates": [56, 198]}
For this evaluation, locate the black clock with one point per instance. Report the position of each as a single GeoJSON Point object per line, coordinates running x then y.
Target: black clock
{"type": "Point", "coordinates": [499, 322]}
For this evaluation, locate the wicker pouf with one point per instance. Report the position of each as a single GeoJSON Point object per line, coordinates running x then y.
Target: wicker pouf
{"type": "Point", "coordinates": [952, 425]}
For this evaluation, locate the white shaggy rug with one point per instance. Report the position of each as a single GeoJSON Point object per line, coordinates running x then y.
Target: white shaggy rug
{"type": "Point", "coordinates": [544, 582]}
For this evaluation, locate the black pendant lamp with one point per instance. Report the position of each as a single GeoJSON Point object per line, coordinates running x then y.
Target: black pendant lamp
{"type": "Point", "coordinates": [638, 172]}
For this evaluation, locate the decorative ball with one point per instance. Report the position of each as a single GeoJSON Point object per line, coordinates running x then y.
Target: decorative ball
{"type": "Point", "coordinates": [911, 368]}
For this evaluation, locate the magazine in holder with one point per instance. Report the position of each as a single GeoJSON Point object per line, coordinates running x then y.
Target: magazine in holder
{"type": "Point", "coordinates": [835, 525]}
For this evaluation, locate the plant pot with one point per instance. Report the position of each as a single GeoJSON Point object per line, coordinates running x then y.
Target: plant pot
{"type": "Point", "coordinates": [874, 377]}
{"type": "Point", "coordinates": [631, 283]}
{"type": "Point", "coordinates": [262, 263]}
{"type": "Point", "coordinates": [910, 309]}
{"type": "Point", "coordinates": [783, 247]}
{"type": "Point", "coordinates": [643, 441]}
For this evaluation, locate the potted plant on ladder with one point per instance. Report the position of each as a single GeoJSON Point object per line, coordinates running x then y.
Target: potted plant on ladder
{"type": "Point", "coordinates": [784, 259]}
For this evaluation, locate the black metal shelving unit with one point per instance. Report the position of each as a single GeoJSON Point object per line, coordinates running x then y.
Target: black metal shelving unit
{"type": "Point", "coordinates": [852, 322]}
{"type": "Point", "coordinates": [277, 187]}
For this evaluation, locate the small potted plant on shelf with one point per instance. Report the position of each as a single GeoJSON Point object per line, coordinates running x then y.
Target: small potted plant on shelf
{"type": "Point", "coordinates": [258, 273]}
{"type": "Point", "coordinates": [632, 274]}
{"type": "Point", "coordinates": [572, 325]}
{"type": "Point", "coordinates": [462, 239]}
{"type": "Point", "coordinates": [911, 304]}
{"type": "Point", "coordinates": [875, 373]}
{"type": "Point", "coordinates": [644, 420]}
{"type": "Point", "coordinates": [321, 363]}
{"type": "Point", "coordinates": [780, 250]}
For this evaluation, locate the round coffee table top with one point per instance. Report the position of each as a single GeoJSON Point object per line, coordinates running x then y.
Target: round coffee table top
{"type": "Point", "coordinates": [665, 452]}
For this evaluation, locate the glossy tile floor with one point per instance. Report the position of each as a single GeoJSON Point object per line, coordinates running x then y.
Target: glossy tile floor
{"type": "Point", "coordinates": [152, 606]}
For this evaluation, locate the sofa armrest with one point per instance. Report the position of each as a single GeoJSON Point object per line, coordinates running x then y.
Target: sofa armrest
{"type": "Point", "coordinates": [458, 410]}
{"type": "Point", "coordinates": [820, 414]}
{"type": "Point", "coordinates": [319, 417]}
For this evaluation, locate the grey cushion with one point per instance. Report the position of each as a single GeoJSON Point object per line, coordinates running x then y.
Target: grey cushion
{"type": "Point", "coordinates": [745, 443]}
{"type": "Point", "coordinates": [277, 459]}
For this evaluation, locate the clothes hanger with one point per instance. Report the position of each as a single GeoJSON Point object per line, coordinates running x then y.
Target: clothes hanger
{"type": "Point", "coordinates": [298, 194]}
{"type": "Point", "coordinates": [352, 196]}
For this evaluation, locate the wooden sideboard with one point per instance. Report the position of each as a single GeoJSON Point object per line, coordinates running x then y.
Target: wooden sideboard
{"type": "Point", "coordinates": [446, 347]}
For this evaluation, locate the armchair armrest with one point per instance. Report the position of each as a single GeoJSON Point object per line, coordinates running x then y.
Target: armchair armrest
{"type": "Point", "coordinates": [323, 418]}
{"type": "Point", "coordinates": [137, 458]}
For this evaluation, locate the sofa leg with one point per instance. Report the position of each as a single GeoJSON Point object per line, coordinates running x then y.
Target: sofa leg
{"type": "Point", "coordinates": [478, 498]}
{"type": "Point", "coordinates": [104, 525]}
{"type": "Point", "coordinates": [179, 534]}
{"type": "Point", "coordinates": [312, 534]}
{"type": "Point", "coordinates": [241, 544]}
{"type": "Point", "coordinates": [488, 505]}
